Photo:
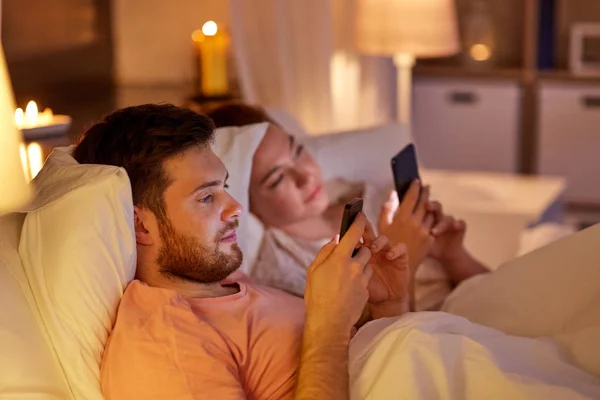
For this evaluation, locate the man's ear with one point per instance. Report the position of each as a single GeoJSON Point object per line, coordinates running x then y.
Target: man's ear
{"type": "Point", "coordinates": [141, 223]}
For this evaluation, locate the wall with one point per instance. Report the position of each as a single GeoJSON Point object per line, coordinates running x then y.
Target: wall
{"type": "Point", "coordinates": [152, 38]}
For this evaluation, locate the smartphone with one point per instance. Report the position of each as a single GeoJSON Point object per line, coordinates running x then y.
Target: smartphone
{"type": "Point", "coordinates": [351, 210]}
{"type": "Point", "coordinates": [405, 170]}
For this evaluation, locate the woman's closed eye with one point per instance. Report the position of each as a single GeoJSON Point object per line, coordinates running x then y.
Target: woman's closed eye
{"type": "Point", "coordinates": [277, 182]}
{"type": "Point", "coordinates": [299, 150]}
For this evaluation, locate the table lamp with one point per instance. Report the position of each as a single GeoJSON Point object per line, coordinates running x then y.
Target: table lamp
{"type": "Point", "coordinates": [406, 29]}
{"type": "Point", "coordinates": [14, 186]}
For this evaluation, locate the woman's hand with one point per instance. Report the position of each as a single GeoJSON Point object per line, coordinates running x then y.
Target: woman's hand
{"type": "Point", "coordinates": [409, 223]}
{"type": "Point", "coordinates": [449, 249]}
{"type": "Point", "coordinates": [449, 234]}
{"type": "Point", "coordinates": [389, 284]}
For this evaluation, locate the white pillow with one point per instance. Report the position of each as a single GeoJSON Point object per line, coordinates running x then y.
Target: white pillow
{"type": "Point", "coordinates": [235, 146]}
{"type": "Point", "coordinates": [28, 365]}
{"type": "Point", "coordinates": [78, 250]}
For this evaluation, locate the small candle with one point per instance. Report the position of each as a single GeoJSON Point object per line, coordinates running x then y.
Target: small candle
{"type": "Point", "coordinates": [212, 49]}
{"type": "Point", "coordinates": [32, 118]}
{"type": "Point", "coordinates": [35, 124]}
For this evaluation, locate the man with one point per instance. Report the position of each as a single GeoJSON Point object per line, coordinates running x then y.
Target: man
{"type": "Point", "coordinates": [181, 333]}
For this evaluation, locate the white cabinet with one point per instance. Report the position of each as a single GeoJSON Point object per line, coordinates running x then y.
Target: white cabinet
{"type": "Point", "coordinates": [466, 124]}
{"type": "Point", "coordinates": [569, 137]}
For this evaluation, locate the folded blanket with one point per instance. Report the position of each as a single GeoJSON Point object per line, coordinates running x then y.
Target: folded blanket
{"type": "Point", "coordinates": [440, 356]}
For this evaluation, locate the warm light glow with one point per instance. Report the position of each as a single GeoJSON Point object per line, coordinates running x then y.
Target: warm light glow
{"type": "Point", "coordinates": [31, 112]}
{"type": "Point", "coordinates": [34, 155]}
{"type": "Point", "coordinates": [46, 116]}
{"type": "Point", "coordinates": [480, 52]}
{"type": "Point", "coordinates": [31, 159]}
{"type": "Point", "coordinates": [19, 115]}
{"type": "Point", "coordinates": [32, 118]}
{"type": "Point", "coordinates": [25, 161]}
{"type": "Point", "coordinates": [210, 28]}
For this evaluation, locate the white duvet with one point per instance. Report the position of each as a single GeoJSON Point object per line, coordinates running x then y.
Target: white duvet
{"type": "Point", "coordinates": [436, 355]}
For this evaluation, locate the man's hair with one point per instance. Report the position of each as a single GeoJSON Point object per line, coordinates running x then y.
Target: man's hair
{"type": "Point", "coordinates": [237, 114]}
{"type": "Point", "coordinates": [140, 139]}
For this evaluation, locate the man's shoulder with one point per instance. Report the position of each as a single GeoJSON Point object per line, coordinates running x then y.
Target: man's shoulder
{"type": "Point", "coordinates": [149, 314]}
{"type": "Point", "coordinates": [146, 310]}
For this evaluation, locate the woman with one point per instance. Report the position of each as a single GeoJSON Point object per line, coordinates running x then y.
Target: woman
{"type": "Point", "coordinates": [287, 195]}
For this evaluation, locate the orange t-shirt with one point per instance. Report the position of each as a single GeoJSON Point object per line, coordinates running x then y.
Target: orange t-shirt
{"type": "Point", "coordinates": [165, 346]}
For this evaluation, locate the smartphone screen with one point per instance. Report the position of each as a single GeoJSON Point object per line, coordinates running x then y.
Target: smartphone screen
{"type": "Point", "coordinates": [405, 170]}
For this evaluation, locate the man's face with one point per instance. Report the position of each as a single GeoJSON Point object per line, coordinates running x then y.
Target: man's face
{"type": "Point", "coordinates": [198, 241]}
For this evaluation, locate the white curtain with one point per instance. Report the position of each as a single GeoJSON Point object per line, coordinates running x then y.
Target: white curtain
{"type": "Point", "coordinates": [298, 56]}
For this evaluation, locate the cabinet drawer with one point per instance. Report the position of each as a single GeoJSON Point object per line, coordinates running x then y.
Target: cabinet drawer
{"type": "Point", "coordinates": [466, 125]}
{"type": "Point", "coordinates": [569, 138]}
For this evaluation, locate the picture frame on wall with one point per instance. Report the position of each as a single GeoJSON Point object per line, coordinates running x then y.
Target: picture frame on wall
{"type": "Point", "coordinates": [584, 52]}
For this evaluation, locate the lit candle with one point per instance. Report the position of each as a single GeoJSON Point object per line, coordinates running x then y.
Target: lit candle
{"type": "Point", "coordinates": [35, 124]}
{"type": "Point", "coordinates": [212, 48]}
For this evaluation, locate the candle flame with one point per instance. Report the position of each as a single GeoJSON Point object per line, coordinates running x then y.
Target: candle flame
{"type": "Point", "coordinates": [31, 112]}
{"type": "Point", "coordinates": [19, 115]}
{"type": "Point", "coordinates": [210, 28]}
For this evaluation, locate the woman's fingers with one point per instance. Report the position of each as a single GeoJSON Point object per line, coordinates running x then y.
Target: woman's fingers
{"type": "Point", "coordinates": [398, 250]}
{"type": "Point", "coordinates": [446, 224]}
{"type": "Point", "coordinates": [381, 243]}
{"type": "Point", "coordinates": [428, 221]}
{"type": "Point", "coordinates": [420, 209]}
{"type": "Point", "coordinates": [387, 212]}
{"type": "Point", "coordinates": [410, 200]}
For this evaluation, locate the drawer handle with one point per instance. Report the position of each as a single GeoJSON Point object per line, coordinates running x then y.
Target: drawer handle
{"type": "Point", "coordinates": [591, 101]}
{"type": "Point", "coordinates": [463, 97]}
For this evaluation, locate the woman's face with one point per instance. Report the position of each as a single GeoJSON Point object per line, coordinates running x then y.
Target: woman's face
{"type": "Point", "coordinates": [286, 184]}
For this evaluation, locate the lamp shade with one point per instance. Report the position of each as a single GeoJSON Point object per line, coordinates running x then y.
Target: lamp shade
{"type": "Point", "coordinates": [422, 28]}
{"type": "Point", "coordinates": [15, 190]}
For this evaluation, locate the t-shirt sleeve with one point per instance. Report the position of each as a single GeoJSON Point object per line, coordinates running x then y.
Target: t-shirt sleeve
{"type": "Point", "coordinates": [171, 356]}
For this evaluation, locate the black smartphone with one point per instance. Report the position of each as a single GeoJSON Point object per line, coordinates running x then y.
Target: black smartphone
{"type": "Point", "coordinates": [405, 170]}
{"type": "Point", "coordinates": [351, 210]}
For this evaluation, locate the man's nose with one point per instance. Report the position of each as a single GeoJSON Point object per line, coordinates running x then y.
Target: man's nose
{"type": "Point", "coordinates": [233, 210]}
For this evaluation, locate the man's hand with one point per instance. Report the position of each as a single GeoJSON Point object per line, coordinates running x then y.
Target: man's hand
{"type": "Point", "coordinates": [336, 282]}
{"type": "Point", "coordinates": [336, 293]}
{"type": "Point", "coordinates": [409, 223]}
{"type": "Point", "coordinates": [389, 284]}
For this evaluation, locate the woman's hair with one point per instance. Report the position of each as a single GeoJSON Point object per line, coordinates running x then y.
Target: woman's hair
{"type": "Point", "coordinates": [237, 114]}
{"type": "Point", "coordinates": [140, 139]}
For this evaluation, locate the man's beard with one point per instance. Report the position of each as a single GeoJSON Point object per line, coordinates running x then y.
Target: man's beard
{"type": "Point", "coordinates": [184, 257]}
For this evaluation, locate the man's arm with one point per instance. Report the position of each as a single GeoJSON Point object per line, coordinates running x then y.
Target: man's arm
{"type": "Point", "coordinates": [336, 293]}
{"type": "Point", "coordinates": [323, 370]}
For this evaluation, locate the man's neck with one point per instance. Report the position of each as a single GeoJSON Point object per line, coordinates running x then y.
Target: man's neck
{"type": "Point", "coordinates": [203, 290]}
{"type": "Point", "coordinates": [185, 288]}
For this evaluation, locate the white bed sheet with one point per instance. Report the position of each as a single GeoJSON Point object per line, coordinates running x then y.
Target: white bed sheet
{"type": "Point", "coordinates": [442, 356]}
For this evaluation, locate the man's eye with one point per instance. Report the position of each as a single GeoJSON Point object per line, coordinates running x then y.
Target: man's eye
{"type": "Point", "coordinates": [226, 186]}
{"type": "Point", "coordinates": [206, 199]}
{"type": "Point", "coordinates": [299, 150]}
